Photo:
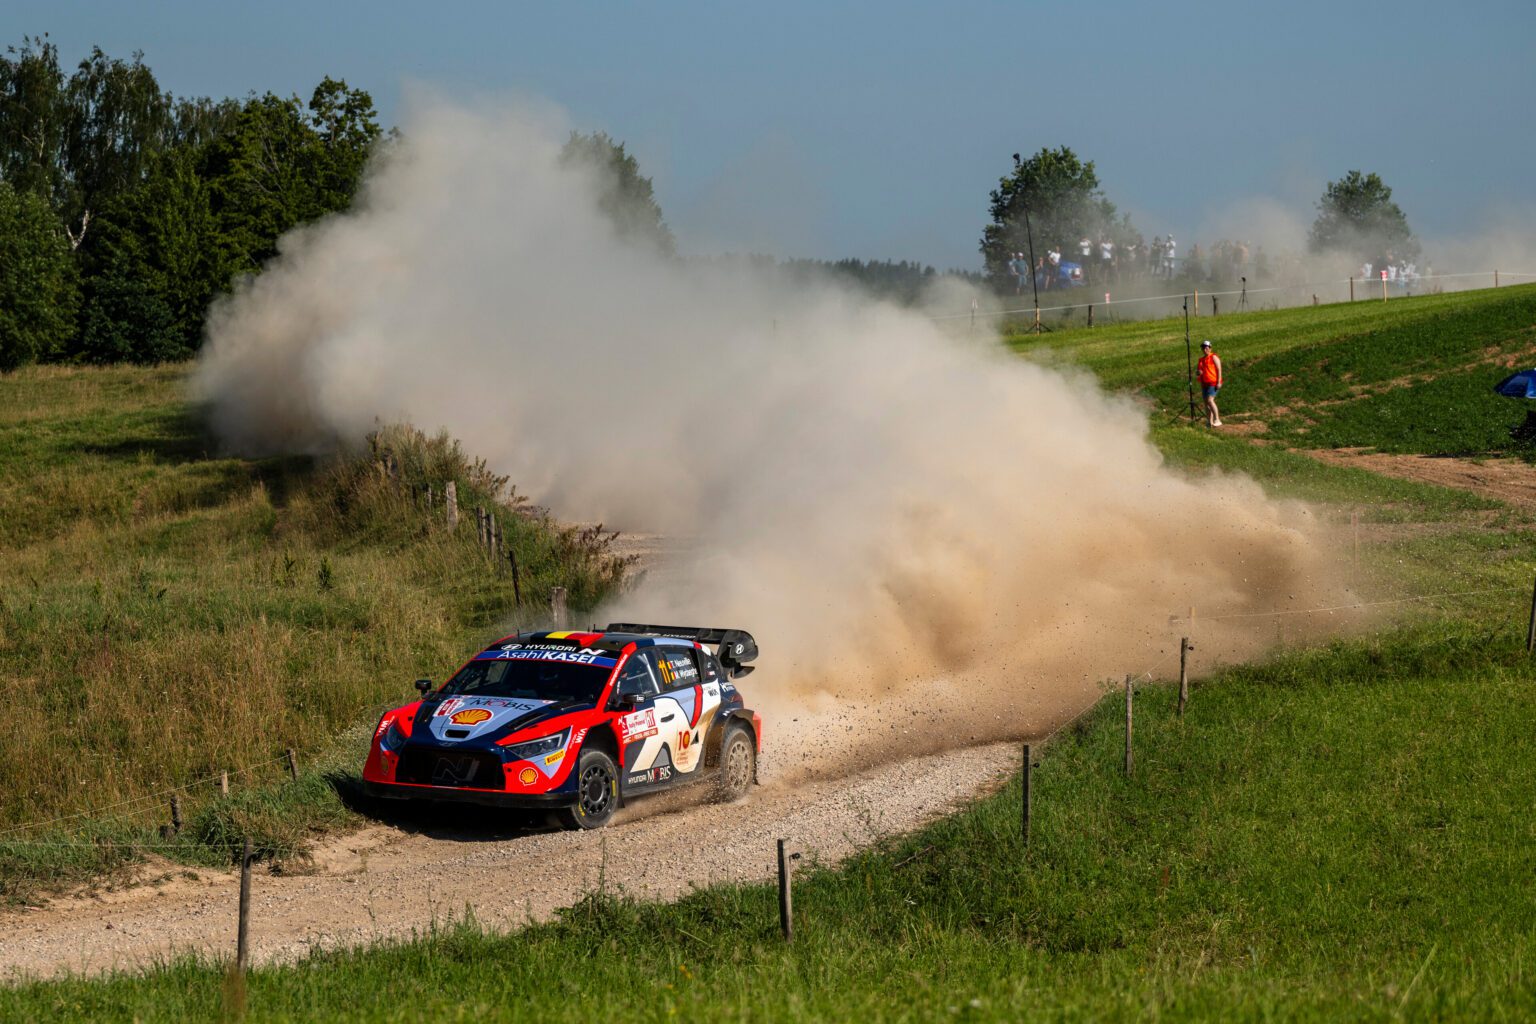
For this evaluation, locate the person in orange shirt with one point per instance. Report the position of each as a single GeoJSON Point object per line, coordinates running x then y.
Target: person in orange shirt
{"type": "Point", "coordinates": [1208, 370]}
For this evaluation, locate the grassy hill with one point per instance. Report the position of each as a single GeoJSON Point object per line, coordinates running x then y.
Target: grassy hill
{"type": "Point", "coordinates": [1409, 375]}
{"type": "Point", "coordinates": [170, 614]}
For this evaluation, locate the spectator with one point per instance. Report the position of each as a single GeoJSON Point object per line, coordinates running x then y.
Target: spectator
{"type": "Point", "coordinates": [1053, 258]}
{"type": "Point", "coordinates": [1106, 257]}
{"type": "Point", "coordinates": [1170, 257]}
{"type": "Point", "coordinates": [1208, 370]}
{"type": "Point", "coordinates": [1155, 256]}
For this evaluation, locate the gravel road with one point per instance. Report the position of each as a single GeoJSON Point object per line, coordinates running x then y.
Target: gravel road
{"type": "Point", "coordinates": [385, 881]}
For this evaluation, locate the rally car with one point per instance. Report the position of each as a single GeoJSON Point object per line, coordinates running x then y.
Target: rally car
{"type": "Point", "coordinates": [576, 723]}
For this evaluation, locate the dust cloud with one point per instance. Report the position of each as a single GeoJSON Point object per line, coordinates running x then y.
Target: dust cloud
{"type": "Point", "coordinates": [917, 527]}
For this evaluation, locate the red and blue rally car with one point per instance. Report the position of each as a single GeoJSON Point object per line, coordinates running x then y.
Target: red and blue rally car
{"type": "Point", "coordinates": [576, 723]}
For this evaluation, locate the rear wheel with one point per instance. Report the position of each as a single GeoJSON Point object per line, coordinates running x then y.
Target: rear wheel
{"type": "Point", "coordinates": [738, 764]}
{"type": "Point", "coordinates": [597, 792]}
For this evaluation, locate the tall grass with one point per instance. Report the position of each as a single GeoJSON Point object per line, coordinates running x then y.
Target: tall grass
{"type": "Point", "coordinates": [169, 614]}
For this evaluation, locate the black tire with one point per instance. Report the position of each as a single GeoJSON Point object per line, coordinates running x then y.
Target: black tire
{"type": "Point", "coordinates": [738, 765]}
{"type": "Point", "coordinates": [597, 788]}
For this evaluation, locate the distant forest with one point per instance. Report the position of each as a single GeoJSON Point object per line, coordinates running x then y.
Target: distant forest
{"type": "Point", "coordinates": [125, 211]}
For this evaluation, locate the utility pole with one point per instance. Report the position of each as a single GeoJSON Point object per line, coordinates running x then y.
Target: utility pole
{"type": "Point", "coordinates": [1189, 359]}
{"type": "Point", "coordinates": [1029, 236]}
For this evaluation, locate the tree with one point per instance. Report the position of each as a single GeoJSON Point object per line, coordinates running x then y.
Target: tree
{"type": "Point", "coordinates": [1357, 218]}
{"type": "Point", "coordinates": [33, 118]}
{"type": "Point", "coordinates": [153, 268]}
{"type": "Point", "coordinates": [626, 195]}
{"type": "Point", "coordinates": [38, 291]}
{"type": "Point", "coordinates": [1064, 203]}
{"type": "Point", "coordinates": [118, 121]}
{"type": "Point", "coordinates": [277, 166]}
{"type": "Point", "coordinates": [347, 127]}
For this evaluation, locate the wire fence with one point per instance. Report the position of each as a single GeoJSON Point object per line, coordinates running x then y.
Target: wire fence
{"type": "Point", "coordinates": [1497, 277]}
{"type": "Point", "coordinates": [138, 805]}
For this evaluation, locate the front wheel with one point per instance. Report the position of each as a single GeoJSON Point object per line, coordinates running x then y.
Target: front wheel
{"type": "Point", "coordinates": [738, 764]}
{"type": "Point", "coordinates": [597, 792]}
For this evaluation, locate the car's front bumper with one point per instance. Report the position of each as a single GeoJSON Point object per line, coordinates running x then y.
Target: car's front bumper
{"type": "Point", "coordinates": [459, 795]}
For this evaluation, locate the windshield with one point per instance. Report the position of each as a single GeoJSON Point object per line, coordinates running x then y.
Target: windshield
{"type": "Point", "coordinates": [494, 674]}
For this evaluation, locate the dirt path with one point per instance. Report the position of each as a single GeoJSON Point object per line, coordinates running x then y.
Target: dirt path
{"type": "Point", "coordinates": [383, 881]}
{"type": "Point", "coordinates": [1508, 480]}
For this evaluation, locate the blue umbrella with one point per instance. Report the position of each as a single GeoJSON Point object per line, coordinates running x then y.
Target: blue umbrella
{"type": "Point", "coordinates": [1518, 385]}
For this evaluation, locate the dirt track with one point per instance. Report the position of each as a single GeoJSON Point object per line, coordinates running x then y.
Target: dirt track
{"type": "Point", "coordinates": [383, 881]}
{"type": "Point", "coordinates": [1507, 480]}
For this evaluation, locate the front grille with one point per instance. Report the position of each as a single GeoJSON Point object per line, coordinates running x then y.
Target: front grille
{"type": "Point", "coordinates": [436, 766]}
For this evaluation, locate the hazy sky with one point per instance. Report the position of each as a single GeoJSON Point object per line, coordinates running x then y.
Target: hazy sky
{"type": "Point", "coordinates": [877, 130]}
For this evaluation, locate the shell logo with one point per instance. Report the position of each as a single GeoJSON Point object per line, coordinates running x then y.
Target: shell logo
{"type": "Point", "coordinates": [527, 776]}
{"type": "Point", "coordinates": [470, 716]}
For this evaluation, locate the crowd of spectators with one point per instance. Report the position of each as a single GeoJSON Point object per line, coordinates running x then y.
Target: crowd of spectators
{"type": "Point", "coordinates": [1101, 261]}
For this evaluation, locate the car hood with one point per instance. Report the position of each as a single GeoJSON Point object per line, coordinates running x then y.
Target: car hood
{"type": "Point", "coordinates": [465, 719]}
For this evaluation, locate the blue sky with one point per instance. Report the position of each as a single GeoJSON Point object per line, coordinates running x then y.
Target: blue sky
{"type": "Point", "coordinates": [877, 130]}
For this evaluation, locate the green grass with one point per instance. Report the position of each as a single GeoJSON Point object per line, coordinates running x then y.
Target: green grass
{"type": "Point", "coordinates": [1409, 375]}
{"type": "Point", "coordinates": [1342, 833]}
{"type": "Point", "coordinates": [169, 614]}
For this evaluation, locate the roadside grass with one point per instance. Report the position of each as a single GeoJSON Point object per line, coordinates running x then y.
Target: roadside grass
{"type": "Point", "coordinates": [169, 614]}
{"type": "Point", "coordinates": [1338, 833]}
{"type": "Point", "coordinates": [1410, 375]}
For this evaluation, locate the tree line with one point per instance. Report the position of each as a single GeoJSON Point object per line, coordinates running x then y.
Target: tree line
{"type": "Point", "coordinates": [125, 210]}
{"type": "Point", "coordinates": [1052, 202]}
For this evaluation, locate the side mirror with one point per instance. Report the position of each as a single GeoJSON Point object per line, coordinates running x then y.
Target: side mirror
{"type": "Point", "coordinates": [626, 701]}
{"type": "Point", "coordinates": [423, 685]}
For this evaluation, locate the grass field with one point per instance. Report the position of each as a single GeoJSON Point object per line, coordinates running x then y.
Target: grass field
{"type": "Point", "coordinates": [170, 614]}
{"type": "Point", "coordinates": [1410, 375]}
{"type": "Point", "coordinates": [1342, 833]}
{"type": "Point", "coordinates": [1334, 833]}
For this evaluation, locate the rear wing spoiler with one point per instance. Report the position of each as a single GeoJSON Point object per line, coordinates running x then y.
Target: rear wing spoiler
{"type": "Point", "coordinates": [734, 647]}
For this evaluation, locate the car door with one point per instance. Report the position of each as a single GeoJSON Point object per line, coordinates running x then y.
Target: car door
{"type": "Point", "coordinates": [686, 706]}
{"type": "Point", "coordinates": [647, 763]}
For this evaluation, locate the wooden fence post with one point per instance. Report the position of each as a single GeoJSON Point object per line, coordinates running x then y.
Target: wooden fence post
{"type": "Point", "coordinates": [175, 814]}
{"type": "Point", "coordinates": [242, 945]}
{"type": "Point", "coordinates": [1495, 278]}
{"type": "Point", "coordinates": [786, 900]}
{"type": "Point", "coordinates": [1197, 302]}
{"type": "Point", "coordinates": [495, 537]}
{"type": "Point", "coordinates": [480, 526]}
{"type": "Point", "coordinates": [223, 783]}
{"type": "Point", "coordinates": [1351, 289]}
{"type": "Point", "coordinates": [517, 583]}
{"type": "Point", "coordinates": [1530, 632]}
{"type": "Point", "coordinates": [1215, 306]}
{"type": "Point", "coordinates": [293, 764]}
{"type": "Point", "coordinates": [557, 607]}
{"type": "Point", "coordinates": [451, 503]}
{"type": "Point", "coordinates": [1128, 726]}
{"type": "Point", "coordinates": [1090, 314]}
{"type": "Point", "coordinates": [1184, 649]}
{"type": "Point", "coordinates": [1027, 767]}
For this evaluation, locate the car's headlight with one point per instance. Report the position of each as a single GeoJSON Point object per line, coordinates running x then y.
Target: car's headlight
{"type": "Point", "coordinates": [531, 749]}
{"type": "Point", "coordinates": [394, 737]}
